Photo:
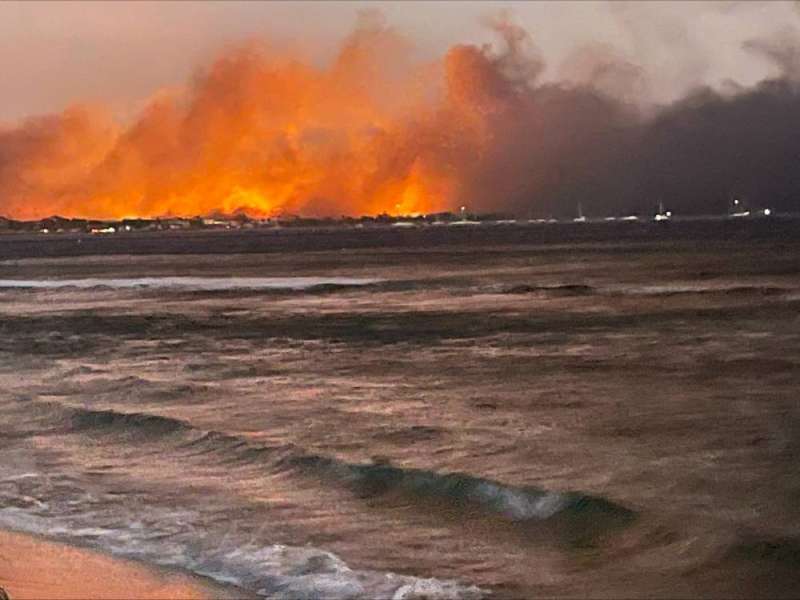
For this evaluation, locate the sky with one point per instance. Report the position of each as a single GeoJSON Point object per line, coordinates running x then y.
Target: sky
{"type": "Point", "coordinates": [118, 53]}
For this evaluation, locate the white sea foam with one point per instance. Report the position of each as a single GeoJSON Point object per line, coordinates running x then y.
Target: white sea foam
{"type": "Point", "coordinates": [189, 283]}
{"type": "Point", "coordinates": [272, 570]}
{"type": "Point", "coordinates": [518, 504]}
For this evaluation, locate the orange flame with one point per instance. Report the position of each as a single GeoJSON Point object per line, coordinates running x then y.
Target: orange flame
{"type": "Point", "coordinates": [266, 134]}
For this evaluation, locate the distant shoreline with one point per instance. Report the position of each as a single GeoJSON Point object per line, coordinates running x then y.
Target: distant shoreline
{"type": "Point", "coordinates": [21, 245]}
{"type": "Point", "coordinates": [241, 222]}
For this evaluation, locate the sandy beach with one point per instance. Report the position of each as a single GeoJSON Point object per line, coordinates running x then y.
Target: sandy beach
{"type": "Point", "coordinates": [34, 568]}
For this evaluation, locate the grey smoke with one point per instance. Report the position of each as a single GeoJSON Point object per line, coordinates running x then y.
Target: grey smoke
{"type": "Point", "coordinates": [583, 140]}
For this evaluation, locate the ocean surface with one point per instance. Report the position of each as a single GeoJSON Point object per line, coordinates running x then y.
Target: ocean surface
{"type": "Point", "coordinates": [606, 417]}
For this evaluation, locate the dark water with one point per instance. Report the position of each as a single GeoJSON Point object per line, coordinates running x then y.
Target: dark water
{"type": "Point", "coordinates": [615, 419]}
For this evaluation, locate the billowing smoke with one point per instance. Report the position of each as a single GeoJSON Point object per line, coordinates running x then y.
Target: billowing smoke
{"type": "Point", "coordinates": [375, 131]}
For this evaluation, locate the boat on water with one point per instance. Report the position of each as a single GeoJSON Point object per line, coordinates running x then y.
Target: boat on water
{"type": "Point", "coordinates": [581, 218]}
{"type": "Point", "coordinates": [738, 209]}
{"type": "Point", "coordinates": [662, 214]}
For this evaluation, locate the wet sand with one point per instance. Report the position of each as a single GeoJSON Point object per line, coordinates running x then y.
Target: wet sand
{"type": "Point", "coordinates": [34, 568]}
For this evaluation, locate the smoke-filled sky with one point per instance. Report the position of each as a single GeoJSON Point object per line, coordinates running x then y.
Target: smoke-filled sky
{"type": "Point", "coordinates": [123, 109]}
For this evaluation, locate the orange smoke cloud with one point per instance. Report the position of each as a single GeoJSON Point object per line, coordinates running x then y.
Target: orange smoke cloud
{"type": "Point", "coordinates": [266, 134]}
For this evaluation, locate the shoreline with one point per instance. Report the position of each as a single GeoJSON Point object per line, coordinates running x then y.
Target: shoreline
{"type": "Point", "coordinates": [35, 568]}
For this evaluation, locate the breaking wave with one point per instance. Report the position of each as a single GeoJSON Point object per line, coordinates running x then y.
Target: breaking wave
{"type": "Point", "coordinates": [458, 490]}
{"type": "Point", "coordinates": [584, 514]}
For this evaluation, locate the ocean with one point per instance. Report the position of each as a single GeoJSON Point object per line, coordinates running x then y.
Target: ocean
{"type": "Point", "coordinates": [592, 411]}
